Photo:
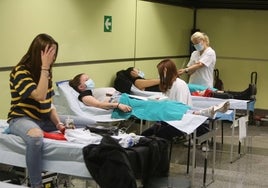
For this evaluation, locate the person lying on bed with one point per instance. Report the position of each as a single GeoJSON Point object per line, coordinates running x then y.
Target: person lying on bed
{"type": "Point", "coordinates": [176, 89]}
{"type": "Point", "coordinates": [247, 94]}
{"type": "Point", "coordinates": [133, 76]}
{"type": "Point", "coordinates": [137, 77]}
{"type": "Point", "coordinates": [84, 86]}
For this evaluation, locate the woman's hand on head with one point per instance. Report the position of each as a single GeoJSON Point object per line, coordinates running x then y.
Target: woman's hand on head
{"type": "Point", "coordinates": [124, 108]}
{"type": "Point", "coordinates": [48, 56]}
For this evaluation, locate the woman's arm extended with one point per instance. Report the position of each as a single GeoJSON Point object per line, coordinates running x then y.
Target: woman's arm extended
{"type": "Point", "coordinates": [144, 83]}
{"type": "Point", "coordinates": [92, 101]}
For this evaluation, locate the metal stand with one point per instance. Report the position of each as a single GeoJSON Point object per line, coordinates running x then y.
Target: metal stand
{"type": "Point", "coordinates": [235, 122]}
{"type": "Point", "coordinates": [203, 138]}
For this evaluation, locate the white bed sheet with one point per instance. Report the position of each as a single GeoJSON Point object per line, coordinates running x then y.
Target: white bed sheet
{"type": "Point", "coordinates": [204, 102]}
{"type": "Point", "coordinates": [59, 156]}
{"type": "Point", "coordinates": [235, 104]}
{"type": "Point", "coordinates": [135, 91]}
{"type": "Point", "coordinates": [189, 123]}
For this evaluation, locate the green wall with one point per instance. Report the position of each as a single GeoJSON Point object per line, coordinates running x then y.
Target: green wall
{"type": "Point", "coordinates": [77, 25]}
{"type": "Point", "coordinates": [139, 30]}
{"type": "Point", "coordinates": [162, 30]}
{"type": "Point", "coordinates": [239, 38]}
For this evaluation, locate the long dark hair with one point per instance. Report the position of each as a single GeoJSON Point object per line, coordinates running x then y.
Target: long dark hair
{"type": "Point", "coordinates": [168, 73]}
{"type": "Point", "coordinates": [128, 72]}
{"type": "Point", "coordinates": [32, 59]}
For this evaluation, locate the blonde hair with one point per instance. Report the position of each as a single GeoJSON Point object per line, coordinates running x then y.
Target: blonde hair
{"type": "Point", "coordinates": [200, 36]}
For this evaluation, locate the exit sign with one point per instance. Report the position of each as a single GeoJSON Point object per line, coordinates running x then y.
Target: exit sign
{"type": "Point", "coordinates": [107, 23]}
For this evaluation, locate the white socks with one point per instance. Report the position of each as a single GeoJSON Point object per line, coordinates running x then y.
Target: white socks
{"type": "Point", "coordinates": [222, 107]}
{"type": "Point", "coordinates": [211, 111]}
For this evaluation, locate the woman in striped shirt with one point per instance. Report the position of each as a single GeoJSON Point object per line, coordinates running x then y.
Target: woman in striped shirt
{"type": "Point", "coordinates": [31, 109]}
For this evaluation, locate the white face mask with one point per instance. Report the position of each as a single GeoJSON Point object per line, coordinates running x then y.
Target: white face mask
{"type": "Point", "coordinates": [199, 47]}
{"type": "Point", "coordinates": [141, 74]}
{"type": "Point", "coordinates": [90, 84]}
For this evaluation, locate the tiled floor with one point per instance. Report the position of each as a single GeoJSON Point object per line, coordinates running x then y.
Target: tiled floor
{"type": "Point", "coordinates": [249, 171]}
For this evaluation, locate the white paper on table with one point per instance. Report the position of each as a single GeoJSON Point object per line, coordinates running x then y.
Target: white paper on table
{"type": "Point", "coordinates": [188, 123]}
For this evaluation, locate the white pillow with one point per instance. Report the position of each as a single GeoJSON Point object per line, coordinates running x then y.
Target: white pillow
{"type": "Point", "coordinates": [69, 99]}
{"type": "Point", "coordinates": [135, 91]}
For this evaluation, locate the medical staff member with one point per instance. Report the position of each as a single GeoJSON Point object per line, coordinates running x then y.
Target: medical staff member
{"type": "Point", "coordinates": [31, 109]}
{"type": "Point", "coordinates": [202, 62]}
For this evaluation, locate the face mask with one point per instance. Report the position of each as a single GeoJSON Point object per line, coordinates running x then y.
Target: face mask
{"type": "Point", "coordinates": [199, 47]}
{"type": "Point", "coordinates": [141, 74]}
{"type": "Point", "coordinates": [90, 84]}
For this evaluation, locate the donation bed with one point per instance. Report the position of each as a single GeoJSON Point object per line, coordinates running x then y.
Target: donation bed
{"type": "Point", "coordinates": [238, 120]}
{"type": "Point", "coordinates": [59, 156]}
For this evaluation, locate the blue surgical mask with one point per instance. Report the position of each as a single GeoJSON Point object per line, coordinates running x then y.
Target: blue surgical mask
{"type": "Point", "coordinates": [141, 74]}
{"type": "Point", "coordinates": [199, 47]}
{"type": "Point", "coordinates": [90, 84]}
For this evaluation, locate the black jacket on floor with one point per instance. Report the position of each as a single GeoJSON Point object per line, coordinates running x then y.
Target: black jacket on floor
{"type": "Point", "coordinates": [111, 166]}
{"type": "Point", "coordinates": [108, 164]}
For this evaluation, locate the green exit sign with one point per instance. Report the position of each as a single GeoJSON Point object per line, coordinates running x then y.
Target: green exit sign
{"type": "Point", "coordinates": [107, 23]}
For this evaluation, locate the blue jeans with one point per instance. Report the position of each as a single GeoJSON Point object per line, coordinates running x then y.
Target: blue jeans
{"type": "Point", "coordinates": [34, 145]}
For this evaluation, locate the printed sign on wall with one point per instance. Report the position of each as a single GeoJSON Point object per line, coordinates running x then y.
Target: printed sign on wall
{"type": "Point", "coordinates": [107, 23]}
